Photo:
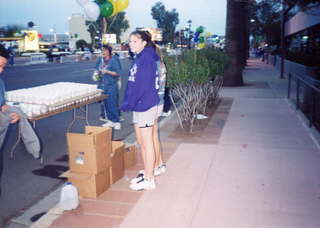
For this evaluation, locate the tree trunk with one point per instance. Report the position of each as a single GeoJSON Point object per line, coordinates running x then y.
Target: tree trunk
{"type": "Point", "coordinates": [246, 22]}
{"type": "Point", "coordinates": [234, 44]}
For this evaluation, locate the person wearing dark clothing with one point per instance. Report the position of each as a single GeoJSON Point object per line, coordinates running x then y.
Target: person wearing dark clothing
{"type": "Point", "coordinates": [11, 56]}
{"type": "Point", "coordinates": [10, 115]}
{"type": "Point", "coordinates": [50, 55]}
{"type": "Point", "coordinates": [167, 102]}
{"type": "Point", "coordinates": [4, 56]}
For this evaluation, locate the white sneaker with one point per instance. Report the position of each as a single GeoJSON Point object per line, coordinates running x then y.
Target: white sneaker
{"type": "Point", "coordinates": [144, 184]}
{"type": "Point", "coordinates": [103, 119]}
{"type": "Point", "coordinates": [138, 178]}
{"type": "Point", "coordinates": [157, 171]}
{"type": "Point", "coordinates": [115, 125]}
{"type": "Point", "coordinates": [165, 114]}
{"type": "Point", "coordinates": [201, 117]}
{"type": "Point", "coordinates": [160, 170]}
{"type": "Point", "coordinates": [107, 124]}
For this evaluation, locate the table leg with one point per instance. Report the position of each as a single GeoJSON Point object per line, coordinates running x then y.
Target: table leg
{"type": "Point", "coordinates": [73, 119]}
{"type": "Point", "coordinates": [81, 110]}
{"type": "Point", "coordinates": [86, 113]}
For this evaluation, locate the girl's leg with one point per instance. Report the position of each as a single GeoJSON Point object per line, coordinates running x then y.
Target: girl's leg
{"type": "Point", "coordinates": [138, 138]}
{"type": "Point", "coordinates": [147, 149]}
{"type": "Point", "coordinates": [157, 146]}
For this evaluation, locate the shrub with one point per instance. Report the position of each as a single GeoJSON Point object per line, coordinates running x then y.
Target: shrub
{"type": "Point", "coordinates": [191, 77]}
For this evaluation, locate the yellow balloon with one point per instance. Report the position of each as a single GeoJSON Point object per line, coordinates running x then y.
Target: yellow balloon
{"type": "Point", "coordinates": [122, 5]}
{"type": "Point", "coordinates": [115, 9]}
{"type": "Point", "coordinates": [201, 45]}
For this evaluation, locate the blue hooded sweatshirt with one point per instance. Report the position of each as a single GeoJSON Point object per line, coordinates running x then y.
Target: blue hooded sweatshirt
{"type": "Point", "coordinates": [142, 89]}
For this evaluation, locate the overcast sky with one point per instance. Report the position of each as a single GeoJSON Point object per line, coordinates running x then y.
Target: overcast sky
{"type": "Point", "coordinates": [54, 13]}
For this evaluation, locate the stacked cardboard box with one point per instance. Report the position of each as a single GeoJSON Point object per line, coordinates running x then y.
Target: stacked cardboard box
{"type": "Point", "coordinates": [117, 162]}
{"type": "Point", "coordinates": [122, 157]}
{"type": "Point", "coordinates": [129, 156]}
{"type": "Point", "coordinates": [89, 160]}
{"type": "Point", "coordinates": [95, 161]}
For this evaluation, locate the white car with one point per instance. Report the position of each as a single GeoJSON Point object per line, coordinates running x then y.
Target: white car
{"type": "Point", "coordinates": [84, 54]}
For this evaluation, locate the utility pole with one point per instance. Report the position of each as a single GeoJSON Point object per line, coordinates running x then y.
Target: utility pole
{"type": "Point", "coordinates": [282, 45]}
{"type": "Point", "coordinates": [181, 34]}
{"type": "Point", "coordinates": [189, 34]}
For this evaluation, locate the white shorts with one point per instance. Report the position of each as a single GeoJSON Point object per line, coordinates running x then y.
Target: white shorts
{"type": "Point", "coordinates": [146, 118]}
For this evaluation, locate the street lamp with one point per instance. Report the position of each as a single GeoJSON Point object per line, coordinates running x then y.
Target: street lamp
{"type": "Point", "coordinates": [251, 36]}
{"type": "Point", "coordinates": [189, 34]}
{"type": "Point", "coordinates": [54, 34]}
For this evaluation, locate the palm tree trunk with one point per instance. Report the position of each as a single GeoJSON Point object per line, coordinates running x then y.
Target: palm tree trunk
{"type": "Point", "coordinates": [234, 44]}
{"type": "Point", "coordinates": [246, 22]}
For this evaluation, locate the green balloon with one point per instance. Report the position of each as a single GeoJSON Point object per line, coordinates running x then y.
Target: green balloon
{"type": "Point", "coordinates": [201, 39]}
{"type": "Point", "coordinates": [101, 1]}
{"type": "Point", "coordinates": [200, 29]}
{"type": "Point", "coordinates": [106, 9]}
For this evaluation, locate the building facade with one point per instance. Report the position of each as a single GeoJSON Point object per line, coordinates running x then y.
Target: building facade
{"type": "Point", "coordinates": [78, 30]}
{"type": "Point", "coordinates": [302, 36]}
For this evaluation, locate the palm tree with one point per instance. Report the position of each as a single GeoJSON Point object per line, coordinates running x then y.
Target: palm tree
{"type": "Point", "coordinates": [236, 41]}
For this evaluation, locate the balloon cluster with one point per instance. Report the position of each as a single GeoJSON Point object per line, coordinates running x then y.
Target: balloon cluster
{"type": "Point", "coordinates": [198, 37]}
{"type": "Point", "coordinates": [105, 8]}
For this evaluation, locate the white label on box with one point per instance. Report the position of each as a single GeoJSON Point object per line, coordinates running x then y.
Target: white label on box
{"type": "Point", "coordinates": [79, 160]}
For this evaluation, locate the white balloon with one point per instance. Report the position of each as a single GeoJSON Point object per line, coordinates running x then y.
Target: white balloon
{"type": "Point", "coordinates": [82, 2]}
{"type": "Point", "coordinates": [92, 10]}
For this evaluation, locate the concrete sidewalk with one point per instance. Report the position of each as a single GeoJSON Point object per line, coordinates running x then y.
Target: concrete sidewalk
{"type": "Point", "coordinates": [254, 165]}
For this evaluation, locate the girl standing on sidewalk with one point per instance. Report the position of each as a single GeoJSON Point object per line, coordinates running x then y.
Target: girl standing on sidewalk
{"type": "Point", "coordinates": [141, 97]}
{"type": "Point", "coordinates": [160, 167]}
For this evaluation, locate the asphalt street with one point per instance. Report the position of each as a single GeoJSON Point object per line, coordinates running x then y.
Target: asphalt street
{"type": "Point", "coordinates": [25, 181]}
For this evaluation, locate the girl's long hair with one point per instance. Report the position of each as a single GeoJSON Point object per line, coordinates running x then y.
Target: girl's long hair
{"type": "Point", "coordinates": [145, 36]}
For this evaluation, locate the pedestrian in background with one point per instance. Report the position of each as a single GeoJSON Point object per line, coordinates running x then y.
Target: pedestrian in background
{"type": "Point", "coordinates": [11, 55]}
{"type": "Point", "coordinates": [108, 67]}
{"type": "Point", "coordinates": [141, 97]}
{"type": "Point", "coordinates": [167, 102]}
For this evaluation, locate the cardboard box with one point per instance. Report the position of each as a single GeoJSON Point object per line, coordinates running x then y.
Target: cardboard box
{"type": "Point", "coordinates": [117, 161]}
{"type": "Point", "coordinates": [88, 184]}
{"type": "Point", "coordinates": [90, 152]}
{"type": "Point", "coordinates": [130, 156]}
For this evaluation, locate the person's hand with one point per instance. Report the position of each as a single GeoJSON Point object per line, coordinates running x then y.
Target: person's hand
{"type": "Point", "coordinates": [4, 108]}
{"type": "Point", "coordinates": [96, 76]}
{"type": "Point", "coordinates": [14, 117]}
